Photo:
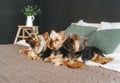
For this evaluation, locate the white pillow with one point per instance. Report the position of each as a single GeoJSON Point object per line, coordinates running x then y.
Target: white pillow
{"type": "Point", "coordinates": [109, 25]}
{"type": "Point", "coordinates": [82, 23]}
{"type": "Point", "coordinates": [79, 22]}
{"type": "Point", "coordinates": [22, 42]}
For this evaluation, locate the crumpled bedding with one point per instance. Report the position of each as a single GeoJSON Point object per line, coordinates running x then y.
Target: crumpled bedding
{"type": "Point", "coordinates": [16, 68]}
{"type": "Point", "coordinates": [114, 65]}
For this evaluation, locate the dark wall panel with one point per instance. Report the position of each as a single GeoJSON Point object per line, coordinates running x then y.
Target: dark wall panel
{"type": "Point", "coordinates": [10, 17]}
{"type": "Point", "coordinates": [56, 14]}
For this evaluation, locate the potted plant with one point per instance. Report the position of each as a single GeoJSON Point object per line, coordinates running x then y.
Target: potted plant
{"type": "Point", "coordinates": [30, 12]}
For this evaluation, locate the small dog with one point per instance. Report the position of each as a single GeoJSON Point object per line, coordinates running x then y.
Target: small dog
{"type": "Point", "coordinates": [54, 44]}
{"type": "Point", "coordinates": [38, 44]}
{"type": "Point", "coordinates": [56, 40]}
{"type": "Point", "coordinates": [75, 43]}
{"type": "Point", "coordinates": [83, 52]}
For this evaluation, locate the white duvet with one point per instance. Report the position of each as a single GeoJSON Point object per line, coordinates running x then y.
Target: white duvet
{"type": "Point", "coordinates": [114, 65]}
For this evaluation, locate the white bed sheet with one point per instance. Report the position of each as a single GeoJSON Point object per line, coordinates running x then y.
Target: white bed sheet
{"type": "Point", "coordinates": [114, 65]}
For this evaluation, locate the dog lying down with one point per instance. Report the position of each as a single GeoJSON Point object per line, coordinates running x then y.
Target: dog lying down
{"type": "Point", "coordinates": [74, 52]}
{"type": "Point", "coordinates": [71, 51]}
{"type": "Point", "coordinates": [37, 46]}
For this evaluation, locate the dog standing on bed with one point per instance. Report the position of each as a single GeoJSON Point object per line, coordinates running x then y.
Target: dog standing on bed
{"type": "Point", "coordinates": [37, 46]}
{"type": "Point", "coordinates": [79, 53]}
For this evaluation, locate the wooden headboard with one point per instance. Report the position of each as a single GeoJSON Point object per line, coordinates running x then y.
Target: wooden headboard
{"type": "Point", "coordinates": [93, 24]}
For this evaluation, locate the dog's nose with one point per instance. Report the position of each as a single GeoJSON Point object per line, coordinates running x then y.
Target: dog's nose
{"type": "Point", "coordinates": [51, 43]}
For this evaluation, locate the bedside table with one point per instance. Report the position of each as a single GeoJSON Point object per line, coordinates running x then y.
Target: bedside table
{"type": "Point", "coordinates": [25, 31]}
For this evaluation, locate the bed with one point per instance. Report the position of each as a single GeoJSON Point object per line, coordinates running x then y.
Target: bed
{"type": "Point", "coordinates": [15, 68]}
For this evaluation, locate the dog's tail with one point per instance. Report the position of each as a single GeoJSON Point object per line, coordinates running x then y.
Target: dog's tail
{"type": "Point", "coordinates": [101, 59]}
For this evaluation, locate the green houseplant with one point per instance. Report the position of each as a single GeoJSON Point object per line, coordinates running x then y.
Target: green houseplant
{"type": "Point", "coordinates": [30, 12]}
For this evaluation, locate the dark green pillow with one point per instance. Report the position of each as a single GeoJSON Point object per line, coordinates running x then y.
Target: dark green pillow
{"type": "Point", "coordinates": [80, 30]}
{"type": "Point", "coordinates": [106, 40]}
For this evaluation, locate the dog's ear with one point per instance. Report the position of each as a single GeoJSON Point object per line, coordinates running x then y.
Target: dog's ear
{"type": "Point", "coordinates": [53, 32]}
{"type": "Point", "coordinates": [46, 35]}
{"type": "Point", "coordinates": [70, 35]}
{"type": "Point", "coordinates": [62, 34]}
{"type": "Point", "coordinates": [76, 37]}
{"type": "Point", "coordinates": [28, 40]}
{"type": "Point", "coordinates": [85, 40]}
{"type": "Point", "coordinates": [32, 35]}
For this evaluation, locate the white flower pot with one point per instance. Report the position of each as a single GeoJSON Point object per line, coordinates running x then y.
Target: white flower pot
{"type": "Point", "coordinates": [29, 21]}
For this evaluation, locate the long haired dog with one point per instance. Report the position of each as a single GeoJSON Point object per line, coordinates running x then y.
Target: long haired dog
{"type": "Point", "coordinates": [85, 53]}
{"type": "Point", "coordinates": [75, 43]}
{"type": "Point", "coordinates": [37, 46]}
{"type": "Point", "coordinates": [55, 42]}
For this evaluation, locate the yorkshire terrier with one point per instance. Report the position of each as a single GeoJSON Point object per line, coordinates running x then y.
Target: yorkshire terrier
{"type": "Point", "coordinates": [79, 53]}
{"type": "Point", "coordinates": [55, 42]}
{"type": "Point", "coordinates": [74, 43]}
{"type": "Point", "coordinates": [37, 46]}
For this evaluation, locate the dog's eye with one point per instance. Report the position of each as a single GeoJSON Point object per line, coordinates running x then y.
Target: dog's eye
{"type": "Point", "coordinates": [56, 40]}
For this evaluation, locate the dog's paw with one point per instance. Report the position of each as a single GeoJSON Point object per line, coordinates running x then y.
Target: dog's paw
{"type": "Point", "coordinates": [34, 57]}
{"type": "Point", "coordinates": [30, 57]}
{"type": "Point", "coordinates": [24, 51]}
{"type": "Point", "coordinates": [48, 59]}
{"type": "Point", "coordinates": [73, 66]}
{"type": "Point", "coordinates": [76, 65]}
